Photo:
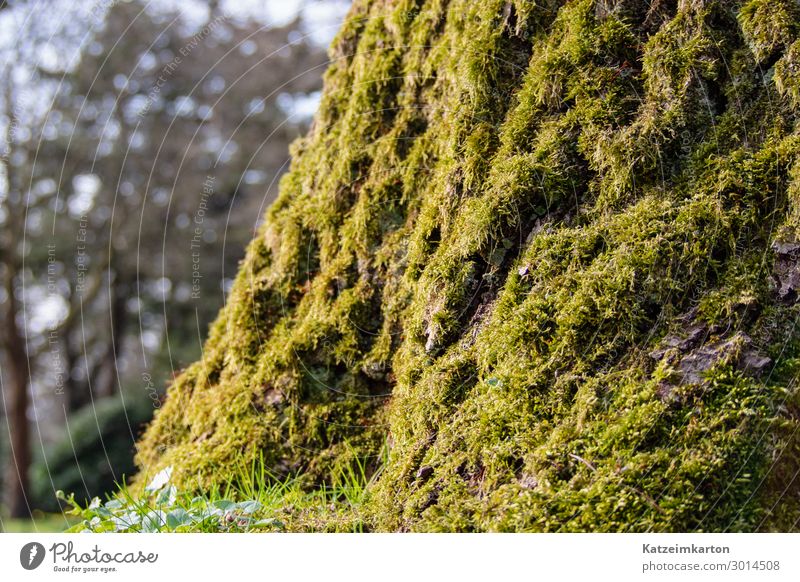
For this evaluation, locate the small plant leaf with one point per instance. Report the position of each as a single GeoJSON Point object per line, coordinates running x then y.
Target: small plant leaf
{"type": "Point", "coordinates": [161, 479]}
{"type": "Point", "coordinates": [248, 507]}
{"type": "Point", "coordinates": [177, 518]}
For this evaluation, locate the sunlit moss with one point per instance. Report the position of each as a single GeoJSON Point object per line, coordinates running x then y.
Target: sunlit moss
{"type": "Point", "coordinates": [504, 209]}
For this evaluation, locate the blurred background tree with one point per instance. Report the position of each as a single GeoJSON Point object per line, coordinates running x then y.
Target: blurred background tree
{"type": "Point", "coordinates": [140, 145]}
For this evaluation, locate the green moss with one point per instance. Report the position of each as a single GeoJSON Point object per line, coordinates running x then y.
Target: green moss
{"type": "Point", "coordinates": [531, 247]}
{"type": "Point", "coordinates": [787, 74]}
{"type": "Point", "coordinates": [769, 25]}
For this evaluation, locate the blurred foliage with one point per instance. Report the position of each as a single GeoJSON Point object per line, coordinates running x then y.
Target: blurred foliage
{"type": "Point", "coordinates": [94, 453]}
{"type": "Point", "coordinates": [139, 144]}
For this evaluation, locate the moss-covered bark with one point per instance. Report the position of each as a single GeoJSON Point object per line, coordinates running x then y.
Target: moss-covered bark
{"type": "Point", "coordinates": [545, 252]}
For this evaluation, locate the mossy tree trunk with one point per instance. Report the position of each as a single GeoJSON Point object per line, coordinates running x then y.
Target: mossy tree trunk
{"type": "Point", "coordinates": [544, 251]}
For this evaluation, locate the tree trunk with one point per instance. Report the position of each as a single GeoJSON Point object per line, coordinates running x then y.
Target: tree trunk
{"type": "Point", "coordinates": [118, 319]}
{"type": "Point", "coordinates": [572, 268]}
{"type": "Point", "coordinates": [77, 392]}
{"type": "Point", "coordinates": [19, 460]}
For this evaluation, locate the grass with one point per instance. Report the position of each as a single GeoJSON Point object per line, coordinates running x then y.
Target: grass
{"type": "Point", "coordinates": [39, 523]}
{"type": "Point", "coordinates": [256, 500]}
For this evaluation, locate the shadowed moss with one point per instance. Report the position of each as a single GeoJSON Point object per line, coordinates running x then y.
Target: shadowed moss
{"type": "Point", "coordinates": [544, 250]}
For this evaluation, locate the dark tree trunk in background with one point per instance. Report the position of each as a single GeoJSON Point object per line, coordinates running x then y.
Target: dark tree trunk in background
{"type": "Point", "coordinates": [77, 392]}
{"type": "Point", "coordinates": [19, 458]}
{"type": "Point", "coordinates": [118, 322]}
